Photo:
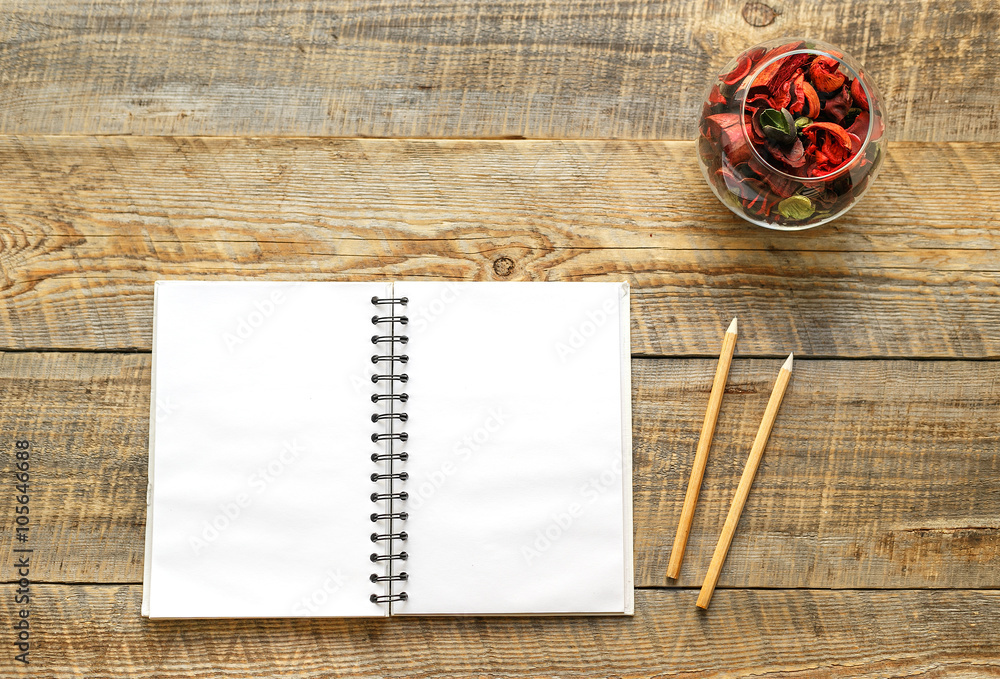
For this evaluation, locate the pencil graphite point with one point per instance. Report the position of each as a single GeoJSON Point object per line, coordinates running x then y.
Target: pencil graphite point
{"type": "Point", "coordinates": [787, 365]}
{"type": "Point", "coordinates": [732, 327]}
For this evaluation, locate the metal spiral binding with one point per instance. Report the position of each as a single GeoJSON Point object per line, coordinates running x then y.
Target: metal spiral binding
{"type": "Point", "coordinates": [390, 456]}
{"type": "Point", "coordinates": [390, 518]}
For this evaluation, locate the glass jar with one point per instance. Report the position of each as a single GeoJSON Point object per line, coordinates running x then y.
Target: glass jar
{"type": "Point", "coordinates": [791, 134]}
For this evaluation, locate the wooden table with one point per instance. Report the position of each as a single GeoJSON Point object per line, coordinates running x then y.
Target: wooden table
{"type": "Point", "coordinates": [518, 140]}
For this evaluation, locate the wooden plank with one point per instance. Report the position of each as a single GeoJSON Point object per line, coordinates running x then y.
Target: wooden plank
{"type": "Point", "coordinates": [877, 474]}
{"type": "Point", "coordinates": [635, 69]}
{"type": "Point", "coordinates": [87, 224]}
{"type": "Point", "coordinates": [96, 631]}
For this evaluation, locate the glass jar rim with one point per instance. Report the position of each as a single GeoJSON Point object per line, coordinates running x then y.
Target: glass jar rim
{"type": "Point", "coordinates": [752, 77]}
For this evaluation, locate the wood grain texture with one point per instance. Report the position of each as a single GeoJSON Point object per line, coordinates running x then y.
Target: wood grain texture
{"type": "Point", "coordinates": [96, 631]}
{"type": "Point", "coordinates": [87, 224]}
{"type": "Point", "coordinates": [877, 474]}
{"type": "Point", "coordinates": [634, 69]}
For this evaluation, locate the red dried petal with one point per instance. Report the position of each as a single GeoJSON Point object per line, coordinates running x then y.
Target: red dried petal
{"type": "Point", "coordinates": [741, 71]}
{"type": "Point", "coordinates": [779, 184]}
{"type": "Point", "coordinates": [758, 168]}
{"type": "Point", "coordinates": [756, 54]}
{"type": "Point", "coordinates": [778, 74]}
{"type": "Point", "coordinates": [836, 151]}
{"type": "Point", "coordinates": [812, 110]}
{"type": "Point", "coordinates": [797, 92]}
{"type": "Point", "coordinates": [782, 186]}
{"type": "Point", "coordinates": [805, 101]}
{"type": "Point", "coordinates": [727, 129]}
{"type": "Point", "coordinates": [758, 197]}
{"type": "Point", "coordinates": [878, 128]}
{"type": "Point", "coordinates": [855, 142]}
{"type": "Point", "coordinates": [793, 157]}
{"type": "Point", "coordinates": [858, 94]}
{"type": "Point", "coordinates": [859, 129]}
{"type": "Point", "coordinates": [825, 199]}
{"type": "Point", "coordinates": [758, 98]}
{"type": "Point", "coordinates": [731, 181]}
{"type": "Point", "coordinates": [715, 97]}
{"type": "Point", "coordinates": [836, 107]}
{"type": "Point", "coordinates": [782, 49]}
{"type": "Point", "coordinates": [782, 95]}
{"type": "Point", "coordinates": [829, 146]}
{"type": "Point", "coordinates": [825, 74]}
{"type": "Point", "coordinates": [755, 129]}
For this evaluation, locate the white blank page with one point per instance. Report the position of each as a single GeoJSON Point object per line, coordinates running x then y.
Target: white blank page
{"type": "Point", "coordinates": [259, 450]}
{"type": "Point", "coordinates": [519, 449]}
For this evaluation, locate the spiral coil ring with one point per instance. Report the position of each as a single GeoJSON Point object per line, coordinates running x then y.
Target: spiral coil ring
{"type": "Point", "coordinates": [390, 578]}
{"type": "Point", "coordinates": [402, 516]}
{"type": "Point", "coordinates": [401, 436]}
{"type": "Point", "coordinates": [391, 456]}
{"type": "Point", "coordinates": [387, 598]}
{"type": "Point", "coordinates": [402, 358]}
{"type": "Point", "coordinates": [402, 339]}
{"type": "Point", "coordinates": [390, 378]}
{"type": "Point", "coordinates": [402, 417]}
{"type": "Point", "coordinates": [381, 497]}
{"type": "Point", "coordinates": [402, 398]}
{"type": "Point", "coordinates": [402, 320]}
{"type": "Point", "coordinates": [402, 476]}
{"type": "Point", "coordinates": [401, 556]}
{"type": "Point", "coordinates": [389, 476]}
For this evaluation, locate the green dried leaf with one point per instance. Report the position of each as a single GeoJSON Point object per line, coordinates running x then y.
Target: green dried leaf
{"type": "Point", "coordinates": [796, 208]}
{"type": "Point", "coordinates": [779, 126]}
{"type": "Point", "coordinates": [772, 117]}
{"type": "Point", "coordinates": [802, 122]}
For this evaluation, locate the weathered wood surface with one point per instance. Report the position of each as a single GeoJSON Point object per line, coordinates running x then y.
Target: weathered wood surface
{"type": "Point", "coordinates": [880, 474]}
{"type": "Point", "coordinates": [636, 69]}
{"type": "Point", "coordinates": [88, 223]}
{"type": "Point", "coordinates": [96, 631]}
{"type": "Point", "coordinates": [877, 474]}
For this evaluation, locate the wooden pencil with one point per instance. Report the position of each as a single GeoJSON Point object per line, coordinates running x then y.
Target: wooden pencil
{"type": "Point", "coordinates": [701, 453]}
{"type": "Point", "coordinates": [743, 489]}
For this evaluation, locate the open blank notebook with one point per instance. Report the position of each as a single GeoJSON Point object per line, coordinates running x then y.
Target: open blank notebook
{"type": "Point", "coordinates": [373, 449]}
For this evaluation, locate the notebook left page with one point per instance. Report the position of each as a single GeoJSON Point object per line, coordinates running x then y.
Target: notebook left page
{"type": "Point", "coordinates": [259, 492]}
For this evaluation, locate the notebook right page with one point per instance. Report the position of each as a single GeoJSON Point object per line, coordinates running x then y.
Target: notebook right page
{"type": "Point", "coordinates": [519, 449]}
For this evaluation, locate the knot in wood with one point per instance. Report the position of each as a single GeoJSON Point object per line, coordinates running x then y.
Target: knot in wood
{"type": "Point", "coordinates": [503, 266]}
{"type": "Point", "coordinates": [759, 14]}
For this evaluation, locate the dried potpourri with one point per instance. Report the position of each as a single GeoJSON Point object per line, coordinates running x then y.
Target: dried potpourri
{"type": "Point", "coordinates": [791, 134]}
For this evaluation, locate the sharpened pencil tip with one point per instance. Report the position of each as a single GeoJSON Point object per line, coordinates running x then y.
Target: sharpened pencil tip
{"type": "Point", "coordinates": [732, 327]}
{"type": "Point", "coordinates": [787, 365]}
